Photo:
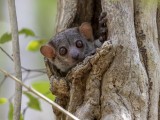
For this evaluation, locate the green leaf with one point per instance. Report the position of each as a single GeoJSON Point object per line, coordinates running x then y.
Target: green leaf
{"type": "Point", "coordinates": [43, 87]}
{"type": "Point", "coordinates": [27, 32]}
{"type": "Point", "coordinates": [3, 100]}
{"type": "Point", "coordinates": [33, 102]}
{"type": "Point", "coordinates": [6, 37]}
{"type": "Point", "coordinates": [34, 45]}
{"type": "Point", "coordinates": [10, 113]}
{"type": "Point", "coordinates": [21, 117]}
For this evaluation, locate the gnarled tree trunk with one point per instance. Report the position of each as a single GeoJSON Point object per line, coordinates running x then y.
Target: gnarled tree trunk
{"type": "Point", "coordinates": [121, 81]}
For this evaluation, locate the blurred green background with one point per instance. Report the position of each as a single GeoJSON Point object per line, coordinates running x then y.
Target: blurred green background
{"type": "Point", "coordinates": [39, 16]}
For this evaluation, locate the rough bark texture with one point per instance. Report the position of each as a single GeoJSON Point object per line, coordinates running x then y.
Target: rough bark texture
{"type": "Point", "coordinates": [124, 87]}
{"type": "Point", "coordinates": [158, 26]}
{"type": "Point", "coordinates": [147, 37]}
{"type": "Point", "coordinates": [121, 81]}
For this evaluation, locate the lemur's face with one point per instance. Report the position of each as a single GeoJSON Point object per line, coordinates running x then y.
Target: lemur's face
{"type": "Point", "coordinates": [66, 49]}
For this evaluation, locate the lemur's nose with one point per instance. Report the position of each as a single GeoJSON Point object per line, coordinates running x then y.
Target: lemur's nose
{"type": "Point", "coordinates": [75, 56]}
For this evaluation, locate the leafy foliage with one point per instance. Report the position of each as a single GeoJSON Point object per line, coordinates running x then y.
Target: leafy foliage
{"type": "Point", "coordinates": [33, 102]}
{"type": "Point", "coordinates": [34, 45]}
{"type": "Point", "coordinates": [42, 87]}
{"type": "Point", "coordinates": [26, 32]}
{"type": "Point", "coordinates": [3, 100]}
{"type": "Point", "coordinates": [6, 37]}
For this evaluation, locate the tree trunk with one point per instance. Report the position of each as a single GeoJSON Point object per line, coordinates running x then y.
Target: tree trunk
{"type": "Point", "coordinates": [121, 81]}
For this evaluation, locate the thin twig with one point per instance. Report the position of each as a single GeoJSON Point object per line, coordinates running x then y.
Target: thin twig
{"type": "Point", "coordinates": [24, 111]}
{"type": "Point", "coordinates": [3, 80]}
{"type": "Point", "coordinates": [33, 76]}
{"type": "Point", "coordinates": [40, 95]}
{"type": "Point", "coordinates": [26, 77]}
{"type": "Point", "coordinates": [42, 70]}
{"type": "Point", "coordinates": [6, 53]}
{"type": "Point", "coordinates": [34, 70]}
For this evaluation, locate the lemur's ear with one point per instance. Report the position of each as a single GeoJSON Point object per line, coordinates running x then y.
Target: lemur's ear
{"type": "Point", "coordinates": [48, 51]}
{"type": "Point", "coordinates": [86, 30]}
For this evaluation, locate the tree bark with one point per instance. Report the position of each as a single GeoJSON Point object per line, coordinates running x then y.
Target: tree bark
{"type": "Point", "coordinates": [147, 37]}
{"type": "Point", "coordinates": [121, 81]}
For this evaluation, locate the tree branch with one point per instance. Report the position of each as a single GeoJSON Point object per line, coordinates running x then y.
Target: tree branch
{"type": "Point", "coordinates": [16, 56]}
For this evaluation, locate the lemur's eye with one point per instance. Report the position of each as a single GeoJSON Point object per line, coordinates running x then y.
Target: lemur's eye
{"type": "Point", "coordinates": [62, 51]}
{"type": "Point", "coordinates": [79, 44]}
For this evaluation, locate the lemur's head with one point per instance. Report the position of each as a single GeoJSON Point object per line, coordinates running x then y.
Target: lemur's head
{"type": "Point", "coordinates": [69, 47]}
